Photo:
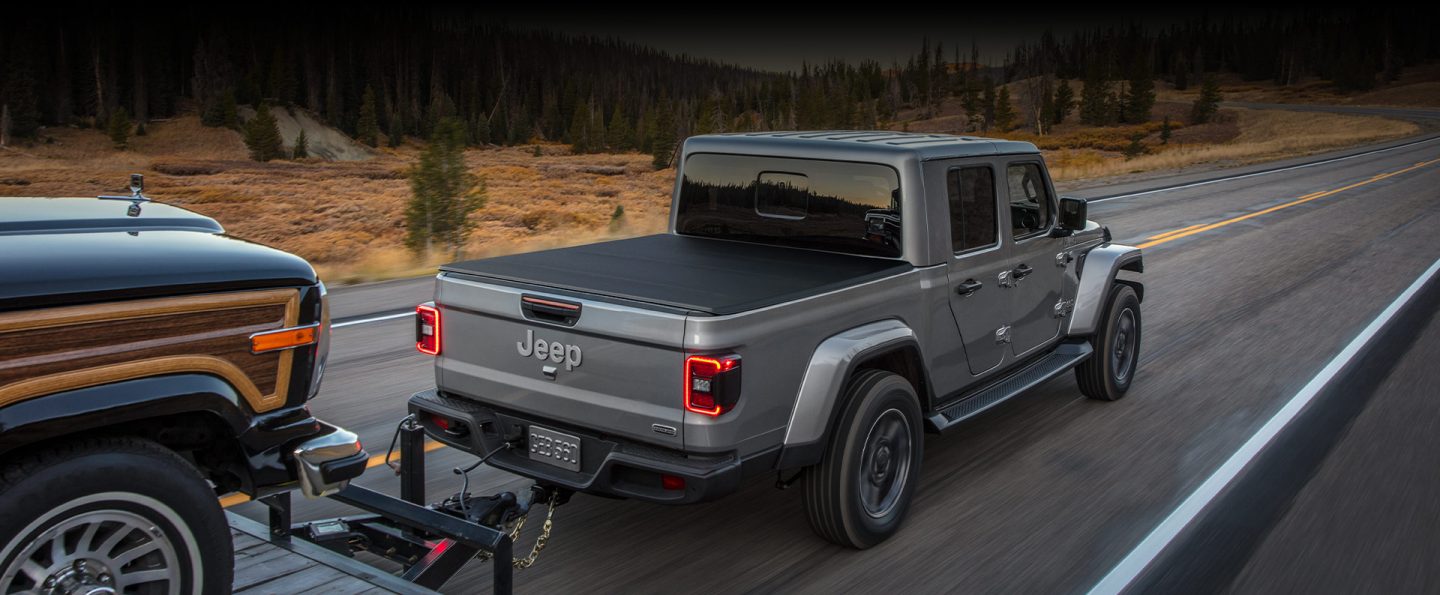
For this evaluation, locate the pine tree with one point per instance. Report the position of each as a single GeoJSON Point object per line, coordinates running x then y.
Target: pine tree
{"type": "Point", "coordinates": [1046, 117]}
{"type": "Point", "coordinates": [482, 130]}
{"type": "Point", "coordinates": [443, 192]}
{"type": "Point", "coordinates": [641, 140]}
{"type": "Point", "coordinates": [221, 111]}
{"type": "Point", "coordinates": [302, 146]}
{"type": "Point", "coordinates": [705, 121]}
{"type": "Point", "coordinates": [1095, 102]}
{"type": "Point", "coordinates": [280, 85]}
{"type": "Point", "coordinates": [500, 125]}
{"type": "Point", "coordinates": [970, 99]}
{"type": "Point", "coordinates": [1139, 94]}
{"type": "Point", "coordinates": [213, 114]}
{"type": "Point", "coordinates": [988, 103]}
{"type": "Point", "coordinates": [140, 130]}
{"type": "Point", "coordinates": [662, 137]}
{"type": "Point", "coordinates": [1135, 148]}
{"type": "Point", "coordinates": [1004, 111]}
{"type": "Point", "coordinates": [597, 130]}
{"type": "Point", "coordinates": [441, 107]}
{"type": "Point", "coordinates": [367, 128]}
{"type": "Point", "coordinates": [396, 136]}
{"type": "Point", "coordinates": [618, 134]}
{"type": "Point", "coordinates": [262, 135]}
{"type": "Point", "coordinates": [580, 129]}
{"type": "Point", "coordinates": [18, 92]}
{"type": "Point", "coordinates": [119, 128]}
{"type": "Point", "coordinates": [1165, 129]}
{"type": "Point", "coordinates": [1064, 102]}
{"type": "Point", "coordinates": [1208, 103]}
{"type": "Point", "coordinates": [229, 112]}
{"type": "Point", "coordinates": [520, 131]}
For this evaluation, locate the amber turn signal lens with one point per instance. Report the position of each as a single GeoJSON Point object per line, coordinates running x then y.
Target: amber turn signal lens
{"type": "Point", "coordinates": [285, 338]}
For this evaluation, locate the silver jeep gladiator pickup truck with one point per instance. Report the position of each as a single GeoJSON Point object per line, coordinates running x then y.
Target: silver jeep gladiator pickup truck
{"type": "Point", "coordinates": [820, 300]}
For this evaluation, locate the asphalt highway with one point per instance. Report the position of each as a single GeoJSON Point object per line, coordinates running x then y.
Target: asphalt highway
{"type": "Point", "coordinates": [1252, 285]}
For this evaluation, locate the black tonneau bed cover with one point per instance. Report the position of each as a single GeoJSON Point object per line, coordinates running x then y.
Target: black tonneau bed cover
{"type": "Point", "coordinates": [700, 275]}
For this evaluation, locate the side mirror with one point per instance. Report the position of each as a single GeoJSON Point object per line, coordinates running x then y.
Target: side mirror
{"type": "Point", "coordinates": [1073, 213]}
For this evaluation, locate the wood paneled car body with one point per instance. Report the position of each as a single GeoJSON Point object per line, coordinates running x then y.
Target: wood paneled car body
{"type": "Point", "coordinates": [148, 364]}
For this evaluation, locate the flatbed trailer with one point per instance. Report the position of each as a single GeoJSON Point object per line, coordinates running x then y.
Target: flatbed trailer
{"type": "Point", "coordinates": [429, 542]}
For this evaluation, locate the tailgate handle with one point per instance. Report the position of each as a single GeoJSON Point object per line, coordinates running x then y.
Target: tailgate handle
{"type": "Point", "coordinates": [548, 310]}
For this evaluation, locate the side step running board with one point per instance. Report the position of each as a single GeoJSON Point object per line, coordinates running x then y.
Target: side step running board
{"type": "Point", "coordinates": [1057, 362]}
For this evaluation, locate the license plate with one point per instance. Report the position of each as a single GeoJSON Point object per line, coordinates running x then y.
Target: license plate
{"type": "Point", "coordinates": [554, 448]}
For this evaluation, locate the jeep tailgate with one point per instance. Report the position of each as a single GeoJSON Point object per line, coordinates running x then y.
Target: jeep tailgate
{"type": "Point", "coordinates": [604, 375]}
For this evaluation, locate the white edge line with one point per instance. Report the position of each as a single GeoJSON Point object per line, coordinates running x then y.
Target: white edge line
{"type": "Point", "coordinates": [1263, 173]}
{"type": "Point", "coordinates": [369, 320]}
{"type": "Point", "coordinates": [1120, 577]}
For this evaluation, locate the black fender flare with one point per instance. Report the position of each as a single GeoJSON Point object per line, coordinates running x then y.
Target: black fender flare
{"type": "Point", "coordinates": [42, 418]}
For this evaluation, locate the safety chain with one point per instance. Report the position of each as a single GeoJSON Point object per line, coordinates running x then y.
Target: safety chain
{"type": "Point", "coordinates": [540, 541]}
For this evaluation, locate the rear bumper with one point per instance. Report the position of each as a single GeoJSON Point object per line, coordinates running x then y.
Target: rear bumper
{"type": "Point", "coordinates": [325, 464]}
{"type": "Point", "coordinates": [609, 466]}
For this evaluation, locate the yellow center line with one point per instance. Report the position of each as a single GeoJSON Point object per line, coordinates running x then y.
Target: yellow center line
{"type": "Point", "coordinates": [1156, 240]}
{"type": "Point", "coordinates": [1174, 231]}
{"type": "Point", "coordinates": [232, 499]}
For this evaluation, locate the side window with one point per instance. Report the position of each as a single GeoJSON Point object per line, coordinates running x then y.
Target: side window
{"type": "Point", "coordinates": [972, 208]}
{"type": "Point", "coordinates": [1029, 199]}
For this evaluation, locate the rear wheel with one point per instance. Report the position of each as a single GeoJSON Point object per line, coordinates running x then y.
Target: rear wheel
{"type": "Point", "coordinates": [111, 516]}
{"type": "Point", "coordinates": [858, 494]}
{"type": "Point", "coordinates": [1108, 373]}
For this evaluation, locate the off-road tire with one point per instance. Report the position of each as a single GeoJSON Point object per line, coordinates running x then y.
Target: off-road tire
{"type": "Point", "coordinates": [1097, 376]}
{"type": "Point", "coordinates": [832, 488]}
{"type": "Point", "coordinates": [121, 476]}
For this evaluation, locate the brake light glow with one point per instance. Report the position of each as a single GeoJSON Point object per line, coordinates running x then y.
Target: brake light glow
{"type": "Point", "coordinates": [427, 329]}
{"type": "Point", "coordinates": [712, 383]}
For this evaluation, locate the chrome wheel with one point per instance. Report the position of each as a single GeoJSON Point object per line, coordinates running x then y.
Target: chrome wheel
{"type": "Point", "coordinates": [1124, 348]}
{"type": "Point", "coordinates": [885, 463]}
{"type": "Point", "coordinates": [96, 552]}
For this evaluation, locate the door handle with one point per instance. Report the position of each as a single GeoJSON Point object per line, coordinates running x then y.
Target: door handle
{"type": "Point", "coordinates": [968, 287]}
{"type": "Point", "coordinates": [1022, 271]}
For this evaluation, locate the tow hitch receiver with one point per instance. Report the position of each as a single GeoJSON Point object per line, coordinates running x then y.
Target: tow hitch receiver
{"type": "Point", "coordinates": [432, 542]}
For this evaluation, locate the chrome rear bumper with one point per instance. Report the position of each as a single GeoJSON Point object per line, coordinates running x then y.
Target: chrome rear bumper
{"type": "Point", "coordinates": [326, 464]}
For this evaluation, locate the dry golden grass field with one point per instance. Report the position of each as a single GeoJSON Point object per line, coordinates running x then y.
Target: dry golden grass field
{"type": "Point", "coordinates": [347, 217]}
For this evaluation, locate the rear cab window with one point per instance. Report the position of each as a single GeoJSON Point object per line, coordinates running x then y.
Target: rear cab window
{"type": "Point", "coordinates": [973, 221]}
{"type": "Point", "coordinates": [836, 206]}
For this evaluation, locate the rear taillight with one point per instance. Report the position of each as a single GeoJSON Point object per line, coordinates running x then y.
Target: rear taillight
{"type": "Point", "coordinates": [427, 329]}
{"type": "Point", "coordinates": [712, 383]}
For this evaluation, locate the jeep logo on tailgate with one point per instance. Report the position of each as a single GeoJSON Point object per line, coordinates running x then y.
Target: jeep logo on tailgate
{"type": "Point", "coordinates": [554, 351]}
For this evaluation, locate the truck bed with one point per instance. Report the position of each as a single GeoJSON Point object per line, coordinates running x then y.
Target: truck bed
{"type": "Point", "coordinates": [698, 275]}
